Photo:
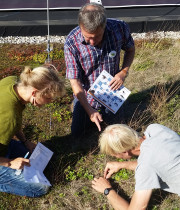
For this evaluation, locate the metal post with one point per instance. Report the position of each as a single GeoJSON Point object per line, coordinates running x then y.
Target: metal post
{"type": "Point", "coordinates": [48, 39]}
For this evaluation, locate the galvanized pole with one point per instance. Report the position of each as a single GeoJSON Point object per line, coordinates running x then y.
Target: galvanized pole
{"type": "Point", "coordinates": [48, 39]}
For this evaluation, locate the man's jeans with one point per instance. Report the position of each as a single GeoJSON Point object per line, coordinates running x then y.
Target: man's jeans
{"type": "Point", "coordinates": [81, 120]}
{"type": "Point", "coordinates": [16, 184]}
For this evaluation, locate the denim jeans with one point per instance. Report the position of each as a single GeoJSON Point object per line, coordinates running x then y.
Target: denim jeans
{"type": "Point", "coordinates": [81, 120]}
{"type": "Point", "coordinates": [16, 184]}
{"type": "Point", "coordinates": [16, 149]}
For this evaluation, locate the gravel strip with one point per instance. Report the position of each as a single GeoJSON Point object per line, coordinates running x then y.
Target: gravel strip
{"type": "Point", "coordinates": [31, 39]}
{"type": "Point", "coordinates": [158, 34]}
{"type": "Point", "coordinates": [61, 39]}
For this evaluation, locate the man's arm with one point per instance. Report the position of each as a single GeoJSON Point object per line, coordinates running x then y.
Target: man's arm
{"type": "Point", "coordinates": [79, 93]}
{"type": "Point", "coordinates": [139, 200]}
{"type": "Point", "coordinates": [119, 78]}
{"type": "Point", "coordinates": [128, 59]}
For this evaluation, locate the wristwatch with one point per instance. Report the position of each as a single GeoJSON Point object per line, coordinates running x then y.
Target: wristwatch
{"type": "Point", "coordinates": [107, 190]}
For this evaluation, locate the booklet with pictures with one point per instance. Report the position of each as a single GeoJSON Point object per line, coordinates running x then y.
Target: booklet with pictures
{"type": "Point", "coordinates": [100, 90]}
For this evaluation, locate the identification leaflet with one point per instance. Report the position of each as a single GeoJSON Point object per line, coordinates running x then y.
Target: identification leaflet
{"type": "Point", "coordinates": [100, 90]}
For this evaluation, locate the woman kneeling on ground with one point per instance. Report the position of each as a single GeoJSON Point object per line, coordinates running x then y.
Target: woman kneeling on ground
{"type": "Point", "coordinates": [38, 87]}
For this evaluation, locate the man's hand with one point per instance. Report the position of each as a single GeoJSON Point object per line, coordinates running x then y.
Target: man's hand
{"type": "Point", "coordinates": [30, 146]}
{"type": "Point", "coordinates": [111, 168]}
{"type": "Point", "coordinates": [19, 163]}
{"type": "Point", "coordinates": [96, 117]}
{"type": "Point", "coordinates": [118, 80]}
{"type": "Point", "coordinates": [100, 184]}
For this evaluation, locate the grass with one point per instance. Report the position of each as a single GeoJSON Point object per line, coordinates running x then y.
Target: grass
{"type": "Point", "coordinates": [154, 82]}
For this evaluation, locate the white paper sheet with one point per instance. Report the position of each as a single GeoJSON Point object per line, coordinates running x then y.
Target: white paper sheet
{"type": "Point", "coordinates": [38, 160]}
{"type": "Point", "coordinates": [100, 90]}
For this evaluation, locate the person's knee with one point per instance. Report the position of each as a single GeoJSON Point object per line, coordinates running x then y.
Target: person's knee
{"type": "Point", "coordinates": [38, 190]}
{"type": "Point", "coordinates": [44, 190]}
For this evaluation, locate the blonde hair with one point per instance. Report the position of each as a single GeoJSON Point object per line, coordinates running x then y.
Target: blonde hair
{"type": "Point", "coordinates": [118, 138]}
{"type": "Point", "coordinates": [45, 79]}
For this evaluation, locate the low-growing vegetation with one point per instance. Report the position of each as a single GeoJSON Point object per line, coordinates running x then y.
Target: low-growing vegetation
{"type": "Point", "coordinates": [154, 81]}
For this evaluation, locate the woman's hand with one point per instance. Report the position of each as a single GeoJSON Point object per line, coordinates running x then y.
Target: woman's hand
{"type": "Point", "coordinates": [19, 163]}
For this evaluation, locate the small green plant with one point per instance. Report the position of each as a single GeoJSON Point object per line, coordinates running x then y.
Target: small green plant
{"type": "Point", "coordinates": [61, 195]}
{"type": "Point", "coordinates": [84, 190]}
{"type": "Point", "coordinates": [88, 175]}
{"type": "Point", "coordinates": [76, 194]}
{"type": "Point", "coordinates": [80, 172]}
{"type": "Point", "coordinates": [122, 174]}
{"type": "Point", "coordinates": [105, 207]}
{"type": "Point", "coordinates": [70, 174]}
{"type": "Point", "coordinates": [143, 66]}
{"type": "Point", "coordinates": [62, 114]}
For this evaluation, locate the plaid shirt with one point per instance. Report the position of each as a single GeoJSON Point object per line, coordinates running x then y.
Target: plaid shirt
{"type": "Point", "coordinates": [86, 62]}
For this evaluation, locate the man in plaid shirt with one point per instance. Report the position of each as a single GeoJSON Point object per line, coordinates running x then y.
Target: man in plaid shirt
{"type": "Point", "coordinates": [89, 49]}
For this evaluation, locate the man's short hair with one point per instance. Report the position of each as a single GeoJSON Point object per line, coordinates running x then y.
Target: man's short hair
{"type": "Point", "coordinates": [91, 17]}
{"type": "Point", "coordinates": [118, 138]}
